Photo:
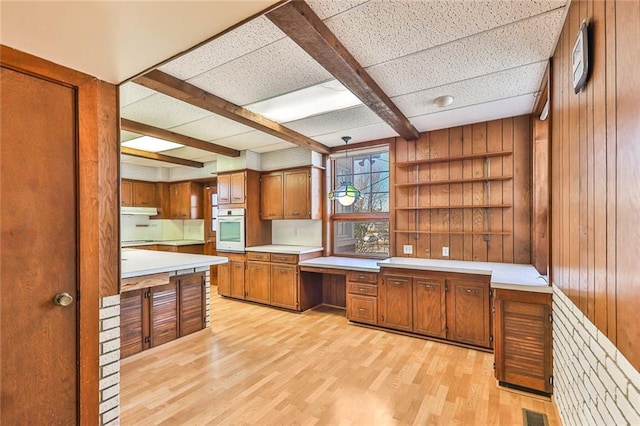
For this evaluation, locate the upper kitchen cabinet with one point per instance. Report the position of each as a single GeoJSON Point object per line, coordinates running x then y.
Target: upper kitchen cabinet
{"type": "Point", "coordinates": [185, 200]}
{"type": "Point", "coordinates": [138, 194]}
{"type": "Point", "coordinates": [291, 194]}
{"type": "Point", "coordinates": [232, 188]}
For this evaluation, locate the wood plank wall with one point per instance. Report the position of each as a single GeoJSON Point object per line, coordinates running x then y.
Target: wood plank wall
{"type": "Point", "coordinates": [595, 172]}
{"type": "Point", "coordinates": [510, 227]}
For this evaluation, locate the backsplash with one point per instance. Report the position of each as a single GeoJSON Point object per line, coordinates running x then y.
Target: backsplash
{"type": "Point", "coordinates": [141, 228]}
{"type": "Point", "coordinates": [297, 232]}
{"type": "Point", "coordinates": [134, 227]}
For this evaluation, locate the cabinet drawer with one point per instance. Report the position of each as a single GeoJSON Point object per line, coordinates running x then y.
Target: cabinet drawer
{"type": "Point", "coordinates": [362, 308]}
{"type": "Point", "coordinates": [364, 289]}
{"type": "Point", "coordinates": [260, 257]}
{"type": "Point", "coordinates": [284, 258]}
{"type": "Point", "coordinates": [363, 277]}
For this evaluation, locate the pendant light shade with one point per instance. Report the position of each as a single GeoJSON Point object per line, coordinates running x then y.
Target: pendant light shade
{"type": "Point", "coordinates": [346, 194]}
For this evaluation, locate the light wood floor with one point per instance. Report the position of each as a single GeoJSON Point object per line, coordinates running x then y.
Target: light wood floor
{"type": "Point", "coordinates": [262, 366]}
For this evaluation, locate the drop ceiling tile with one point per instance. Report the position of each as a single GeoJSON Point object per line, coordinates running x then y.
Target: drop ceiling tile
{"type": "Point", "coordinates": [163, 111]}
{"type": "Point", "coordinates": [211, 128]}
{"type": "Point", "coordinates": [328, 8]}
{"type": "Point", "coordinates": [274, 147]}
{"type": "Point", "coordinates": [526, 42]}
{"type": "Point", "coordinates": [251, 140]}
{"type": "Point", "coordinates": [127, 136]}
{"type": "Point", "coordinates": [486, 88]}
{"type": "Point", "coordinates": [278, 68]}
{"type": "Point", "coordinates": [206, 158]}
{"type": "Point", "coordinates": [132, 92]}
{"type": "Point", "coordinates": [383, 30]}
{"type": "Point", "coordinates": [186, 152]}
{"type": "Point", "coordinates": [335, 121]}
{"type": "Point", "coordinates": [242, 40]}
{"type": "Point", "coordinates": [503, 108]}
{"type": "Point", "coordinates": [359, 134]}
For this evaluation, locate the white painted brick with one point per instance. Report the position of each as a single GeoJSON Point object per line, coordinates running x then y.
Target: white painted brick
{"type": "Point", "coordinates": [617, 375]}
{"type": "Point", "coordinates": [109, 381]}
{"type": "Point", "coordinates": [584, 335]}
{"type": "Point", "coordinates": [111, 392]}
{"type": "Point", "coordinates": [201, 269]}
{"type": "Point", "coordinates": [172, 274]}
{"type": "Point", "coordinates": [111, 345]}
{"type": "Point", "coordinates": [597, 384]}
{"type": "Point", "coordinates": [606, 344]}
{"type": "Point", "coordinates": [590, 327]}
{"type": "Point", "coordinates": [634, 396]}
{"type": "Point", "coordinates": [110, 300]}
{"type": "Point", "coordinates": [110, 415]}
{"type": "Point", "coordinates": [185, 271]}
{"type": "Point", "coordinates": [111, 311]}
{"type": "Point", "coordinates": [109, 323]}
{"type": "Point", "coordinates": [630, 413]}
{"type": "Point", "coordinates": [615, 412]}
{"type": "Point", "coordinates": [114, 333]}
{"type": "Point", "coordinates": [597, 350]}
{"type": "Point", "coordinates": [628, 370]}
{"type": "Point", "coordinates": [590, 358]}
{"type": "Point", "coordinates": [108, 404]}
{"type": "Point", "coordinates": [109, 358]}
{"type": "Point", "coordinates": [109, 369]}
{"type": "Point", "coordinates": [605, 378]}
{"type": "Point", "coordinates": [115, 422]}
{"type": "Point", "coordinates": [597, 418]}
{"type": "Point", "coordinates": [577, 313]}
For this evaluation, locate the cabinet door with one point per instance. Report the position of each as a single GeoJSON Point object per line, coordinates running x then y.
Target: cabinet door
{"type": "Point", "coordinates": [180, 201]}
{"type": "Point", "coordinates": [523, 339]}
{"type": "Point", "coordinates": [271, 196]}
{"type": "Point", "coordinates": [296, 195]}
{"type": "Point", "coordinates": [397, 302]}
{"type": "Point", "coordinates": [258, 285]}
{"type": "Point", "coordinates": [362, 308]}
{"type": "Point", "coordinates": [237, 279]}
{"type": "Point", "coordinates": [144, 194]}
{"type": "Point", "coordinates": [126, 193]}
{"type": "Point", "coordinates": [468, 318]}
{"type": "Point", "coordinates": [429, 308]}
{"type": "Point", "coordinates": [237, 188]}
{"type": "Point", "coordinates": [224, 279]}
{"type": "Point", "coordinates": [284, 286]}
{"type": "Point", "coordinates": [134, 322]}
{"type": "Point", "coordinates": [191, 248]}
{"type": "Point", "coordinates": [163, 313]}
{"type": "Point", "coordinates": [192, 303]}
{"type": "Point", "coordinates": [224, 189]}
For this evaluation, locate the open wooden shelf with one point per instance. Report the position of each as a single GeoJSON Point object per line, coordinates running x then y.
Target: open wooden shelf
{"type": "Point", "coordinates": [478, 206]}
{"type": "Point", "coordinates": [448, 181]}
{"type": "Point", "coordinates": [403, 231]}
{"type": "Point", "coordinates": [455, 158]}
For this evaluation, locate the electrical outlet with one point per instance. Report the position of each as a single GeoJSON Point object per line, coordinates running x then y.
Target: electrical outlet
{"type": "Point", "coordinates": [407, 249]}
{"type": "Point", "coordinates": [445, 251]}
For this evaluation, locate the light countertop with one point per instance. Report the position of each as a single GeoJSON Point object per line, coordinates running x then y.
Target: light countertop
{"type": "Point", "coordinates": [145, 262]}
{"type": "Point", "coordinates": [440, 265]}
{"type": "Point", "coordinates": [160, 243]}
{"type": "Point", "coordinates": [348, 263]}
{"type": "Point", "coordinates": [286, 249]}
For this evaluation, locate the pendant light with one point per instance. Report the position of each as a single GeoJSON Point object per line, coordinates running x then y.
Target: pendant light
{"type": "Point", "coordinates": [346, 194]}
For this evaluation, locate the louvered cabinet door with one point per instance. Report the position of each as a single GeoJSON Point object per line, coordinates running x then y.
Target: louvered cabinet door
{"type": "Point", "coordinates": [192, 302]}
{"type": "Point", "coordinates": [133, 319]}
{"type": "Point", "coordinates": [164, 313]}
{"type": "Point", "coordinates": [523, 339]}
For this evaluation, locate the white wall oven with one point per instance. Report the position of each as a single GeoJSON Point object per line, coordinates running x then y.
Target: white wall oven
{"type": "Point", "coordinates": [230, 234]}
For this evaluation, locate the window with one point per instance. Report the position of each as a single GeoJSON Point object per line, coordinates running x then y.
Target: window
{"type": "Point", "coordinates": [363, 227]}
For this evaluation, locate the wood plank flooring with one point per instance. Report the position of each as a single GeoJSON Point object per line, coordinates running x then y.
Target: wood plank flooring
{"type": "Point", "coordinates": [262, 366]}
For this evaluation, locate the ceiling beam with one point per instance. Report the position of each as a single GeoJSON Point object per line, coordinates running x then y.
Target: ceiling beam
{"type": "Point", "coordinates": [298, 21]}
{"type": "Point", "coordinates": [159, 157]}
{"type": "Point", "coordinates": [186, 92]}
{"type": "Point", "coordinates": [168, 135]}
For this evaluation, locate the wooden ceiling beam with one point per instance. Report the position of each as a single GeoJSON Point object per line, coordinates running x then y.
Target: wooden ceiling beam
{"type": "Point", "coordinates": [186, 92]}
{"type": "Point", "coordinates": [298, 21]}
{"type": "Point", "coordinates": [168, 135]}
{"type": "Point", "coordinates": [159, 157]}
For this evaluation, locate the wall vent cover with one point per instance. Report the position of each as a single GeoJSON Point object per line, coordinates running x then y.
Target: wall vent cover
{"type": "Point", "coordinates": [533, 418]}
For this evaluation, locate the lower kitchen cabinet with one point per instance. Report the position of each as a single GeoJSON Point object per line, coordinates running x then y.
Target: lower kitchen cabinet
{"type": "Point", "coordinates": [155, 315]}
{"type": "Point", "coordinates": [523, 339]}
{"type": "Point", "coordinates": [469, 312]}
{"type": "Point", "coordinates": [258, 286]}
{"type": "Point", "coordinates": [284, 285]}
{"type": "Point", "coordinates": [362, 297]}
{"type": "Point", "coordinates": [231, 276]}
{"type": "Point", "coordinates": [396, 305]}
{"type": "Point", "coordinates": [429, 307]}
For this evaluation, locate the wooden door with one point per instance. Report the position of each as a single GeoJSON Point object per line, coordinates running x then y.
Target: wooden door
{"type": "Point", "coordinates": [429, 307]}
{"type": "Point", "coordinates": [224, 279]}
{"type": "Point", "coordinates": [163, 313]}
{"type": "Point", "coordinates": [236, 188]}
{"type": "Point", "coordinates": [134, 322]}
{"type": "Point", "coordinates": [284, 286]}
{"type": "Point", "coordinates": [468, 317]}
{"type": "Point", "coordinates": [192, 302]}
{"type": "Point", "coordinates": [144, 194]}
{"type": "Point", "coordinates": [224, 189]}
{"type": "Point", "coordinates": [271, 202]}
{"type": "Point", "coordinates": [296, 195]}
{"type": "Point", "coordinates": [126, 193]}
{"type": "Point", "coordinates": [397, 302]}
{"type": "Point", "coordinates": [237, 279]}
{"type": "Point", "coordinates": [258, 285]}
{"type": "Point", "coordinates": [38, 339]}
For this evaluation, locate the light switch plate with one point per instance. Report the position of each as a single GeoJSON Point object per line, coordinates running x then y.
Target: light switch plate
{"type": "Point", "coordinates": [407, 249]}
{"type": "Point", "coordinates": [445, 251]}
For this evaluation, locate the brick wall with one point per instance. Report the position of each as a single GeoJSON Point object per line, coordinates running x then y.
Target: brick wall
{"type": "Point", "coordinates": [110, 360]}
{"type": "Point", "coordinates": [593, 381]}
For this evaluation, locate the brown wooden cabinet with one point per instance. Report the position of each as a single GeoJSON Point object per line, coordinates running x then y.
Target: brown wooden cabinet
{"type": "Point", "coordinates": [185, 200]}
{"type": "Point", "coordinates": [468, 312]}
{"type": "Point", "coordinates": [284, 285]}
{"type": "Point", "coordinates": [231, 188]}
{"type": "Point", "coordinates": [291, 194]}
{"type": "Point", "coordinates": [396, 305]}
{"type": "Point", "coordinates": [429, 306]}
{"type": "Point", "coordinates": [362, 300]}
{"type": "Point", "coordinates": [522, 322]}
{"type": "Point", "coordinates": [138, 193]}
{"type": "Point", "coordinates": [258, 282]}
{"type": "Point", "coordinates": [231, 276]}
{"type": "Point", "coordinates": [155, 315]}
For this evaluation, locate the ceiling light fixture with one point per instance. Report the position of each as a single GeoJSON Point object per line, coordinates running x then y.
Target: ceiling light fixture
{"type": "Point", "coordinates": [443, 101]}
{"type": "Point", "coordinates": [346, 194]}
{"type": "Point", "coordinates": [151, 144]}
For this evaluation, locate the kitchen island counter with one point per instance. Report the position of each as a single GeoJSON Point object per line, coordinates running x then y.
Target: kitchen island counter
{"type": "Point", "coordinates": [136, 262]}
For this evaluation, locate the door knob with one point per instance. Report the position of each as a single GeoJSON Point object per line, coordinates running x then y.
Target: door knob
{"type": "Point", "coordinates": [63, 299]}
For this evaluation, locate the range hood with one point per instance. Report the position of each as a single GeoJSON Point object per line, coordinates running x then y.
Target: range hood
{"type": "Point", "coordinates": [144, 211]}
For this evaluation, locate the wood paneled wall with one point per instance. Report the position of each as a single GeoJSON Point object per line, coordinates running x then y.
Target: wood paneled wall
{"type": "Point", "coordinates": [595, 173]}
{"type": "Point", "coordinates": [464, 230]}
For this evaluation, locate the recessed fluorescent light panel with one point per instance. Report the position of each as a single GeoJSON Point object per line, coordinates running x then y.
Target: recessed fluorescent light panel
{"type": "Point", "coordinates": [151, 144]}
{"type": "Point", "coordinates": [325, 97]}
